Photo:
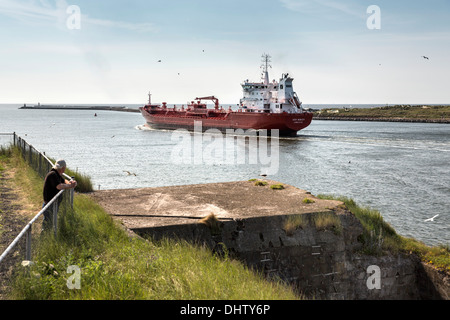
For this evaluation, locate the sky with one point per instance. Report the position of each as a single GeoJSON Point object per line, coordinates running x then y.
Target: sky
{"type": "Point", "coordinates": [115, 52]}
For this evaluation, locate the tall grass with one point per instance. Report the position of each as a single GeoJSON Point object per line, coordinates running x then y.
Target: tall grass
{"type": "Point", "coordinates": [116, 266]}
{"type": "Point", "coordinates": [381, 238]}
{"type": "Point", "coordinates": [320, 221]}
{"type": "Point", "coordinates": [294, 222]}
{"type": "Point", "coordinates": [26, 181]}
{"type": "Point", "coordinates": [327, 221]}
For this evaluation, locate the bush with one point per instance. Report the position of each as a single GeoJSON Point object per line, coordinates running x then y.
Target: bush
{"type": "Point", "coordinates": [277, 186]}
{"type": "Point", "coordinates": [260, 183]}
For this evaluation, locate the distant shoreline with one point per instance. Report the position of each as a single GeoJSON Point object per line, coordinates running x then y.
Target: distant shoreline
{"type": "Point", "coordinates": [63, 107]}
{"type": "Point", "coordinates": [382, 119]}
{"type": "Point", "coordinates": [397, 113]}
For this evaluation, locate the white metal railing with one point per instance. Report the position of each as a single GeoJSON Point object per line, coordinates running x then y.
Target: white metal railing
{"type": "Point", "coordinates": [41, 164]}
{"type": "Point", "coordinates": [27, 230]}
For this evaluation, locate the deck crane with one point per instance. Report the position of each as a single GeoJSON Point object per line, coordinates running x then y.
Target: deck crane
{"type": "Point", "coordinates": [216, 101]}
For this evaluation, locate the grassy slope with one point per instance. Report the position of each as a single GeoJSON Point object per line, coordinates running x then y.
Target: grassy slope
{"type": "Point", "coordinates": [380, 238]}
{"type": "Point", "coordinates": [115, 266]}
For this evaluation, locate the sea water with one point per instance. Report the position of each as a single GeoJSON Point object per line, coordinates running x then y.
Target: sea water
{"type": "Point", "coordinates": [400, 169]}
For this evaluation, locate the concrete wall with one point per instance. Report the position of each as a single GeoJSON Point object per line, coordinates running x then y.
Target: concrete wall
{"type": "Point", "coordinates": [320, 264]}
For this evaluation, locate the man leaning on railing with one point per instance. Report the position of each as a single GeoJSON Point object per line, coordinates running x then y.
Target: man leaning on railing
{"type": "Point", "coordinates": [53, 183]}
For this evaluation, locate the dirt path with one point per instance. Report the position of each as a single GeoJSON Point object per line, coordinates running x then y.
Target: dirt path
{"type": "Point", "coordinates": [12, 220]}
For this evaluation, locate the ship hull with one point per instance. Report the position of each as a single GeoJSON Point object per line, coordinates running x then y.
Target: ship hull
{"type": "Point", "coordinates": [288, 124]}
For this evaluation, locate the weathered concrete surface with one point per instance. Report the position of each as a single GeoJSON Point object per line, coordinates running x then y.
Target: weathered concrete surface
{"type": "Point", "coordinates": [320, 262]}
{"type": "Point", "coordinates": [175, 205]}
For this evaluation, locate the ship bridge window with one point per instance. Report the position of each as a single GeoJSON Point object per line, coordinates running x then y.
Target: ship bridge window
{"type": "Point", "coordinates": [289, 86]}
{"type": "Point", "coordinates": [281, 86]}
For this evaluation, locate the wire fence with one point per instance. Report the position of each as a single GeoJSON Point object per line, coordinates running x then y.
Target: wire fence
{"type": "Point", "coordinates": [6, 139]}
{"type": "Point", "coordinates": [58, 206]}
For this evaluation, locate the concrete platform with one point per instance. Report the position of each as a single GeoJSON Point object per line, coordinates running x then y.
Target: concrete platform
{"type": "Point", "coordinates": [175, 205]}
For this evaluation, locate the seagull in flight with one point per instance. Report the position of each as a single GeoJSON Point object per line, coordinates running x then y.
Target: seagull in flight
{"type": "Point", "coordinates": [431, 219]}
{"type": "Point", "coordinates": [425, 57]}
{"type": "Point", "coordinates": [129, 173]}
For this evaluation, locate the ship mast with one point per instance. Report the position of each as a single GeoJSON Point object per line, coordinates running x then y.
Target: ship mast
{"type": "Point", "coordinates": [265, 66]}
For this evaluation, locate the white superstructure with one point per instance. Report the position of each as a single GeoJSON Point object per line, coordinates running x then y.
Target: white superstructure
{"type": "Point", "coordinates": [273, 97]}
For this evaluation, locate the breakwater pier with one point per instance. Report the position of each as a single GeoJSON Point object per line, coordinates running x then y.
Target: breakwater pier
{"type": "Point", "coordinates": [80, 107]}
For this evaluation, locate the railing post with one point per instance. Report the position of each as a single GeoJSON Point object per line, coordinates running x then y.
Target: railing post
{"type": "Point", "coordinates": [72, 192]}
{"type": "Point", "coordinates": [40, 165]}
{"type": "Point", "coordinates": [22, 148]}
{"type": "Point", "coordinates": [28, 245]}
{"type": "Point", "coordinates": [55, 216]}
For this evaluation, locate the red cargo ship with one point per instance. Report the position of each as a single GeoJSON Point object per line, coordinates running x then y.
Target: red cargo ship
{"type": "Point", "coordinates": [264, 106]}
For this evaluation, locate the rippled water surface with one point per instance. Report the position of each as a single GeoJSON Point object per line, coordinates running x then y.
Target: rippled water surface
{"type": "Point", "coordinates": [401, 169]}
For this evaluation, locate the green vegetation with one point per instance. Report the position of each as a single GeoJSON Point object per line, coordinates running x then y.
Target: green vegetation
{"type": "Point", "coordinates": [25, 179]}
{"type": "Point", "coordinates": [116, 266]}
{"type": "Point", "coordinates": [260, 183]}
{"type": "Point", "coordinates": [327, 221]}
{"type": "Point", "coordinates": [3, 156]}
{"type": "Point", "coordinates": [380, 238]}
{"type": "Point", "coordinates": [294, 222]}
{"type": "Point", "coordinates": [5, 153]}
{"type": "Point", "coordinates": [391, 112]}
{"type": "Point", "coordinates": [321, 221]}
{"type": "Point", "coordinates": [84, 184]}
{"type": "Point", "coordinates": [308, 200]}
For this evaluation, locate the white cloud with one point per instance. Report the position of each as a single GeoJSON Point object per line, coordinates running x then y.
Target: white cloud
{"type": "Point", "coordinates": [43, 12]}
{"type": "Point", "coordinates": [139, 27]}
{"type": "Point", "coordinates": [28, 11]}
{"type": "Point", "coordinates": [318, 7]}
